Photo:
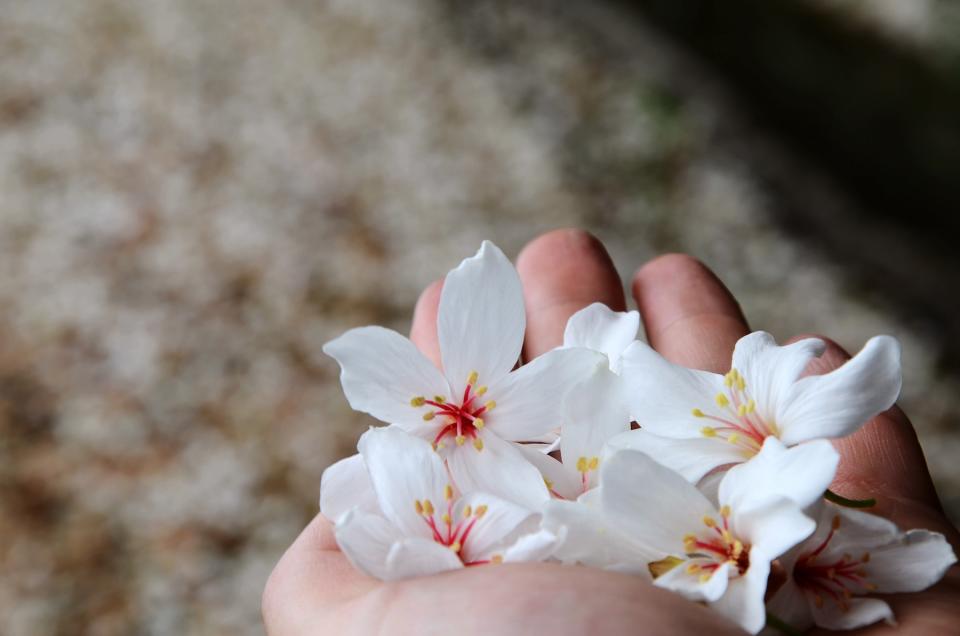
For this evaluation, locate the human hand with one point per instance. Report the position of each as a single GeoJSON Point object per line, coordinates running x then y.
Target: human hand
{"type": "Point", "coordinates": [691, 319]}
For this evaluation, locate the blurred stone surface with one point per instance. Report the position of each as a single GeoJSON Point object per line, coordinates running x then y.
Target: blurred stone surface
{"type": "Point", "coordinates": [196, 195]}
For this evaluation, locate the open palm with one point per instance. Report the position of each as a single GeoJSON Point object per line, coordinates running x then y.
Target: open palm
{"type": "Point", "coordinates": [691, 319]}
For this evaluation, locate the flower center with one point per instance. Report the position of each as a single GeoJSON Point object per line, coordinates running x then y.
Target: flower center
{"type": "Point", "coordinates": [738, 421]}
{"type": "Point", "coordinates": [584, 466]}
{"type": "Point", "coordinates": [452, 533]}
{"type": "Point", "coordinates": [715, 546]}
{"type": "Point", "coordinates": [461, 421]}
{"type": "Point", "coordinates": [835, 579]}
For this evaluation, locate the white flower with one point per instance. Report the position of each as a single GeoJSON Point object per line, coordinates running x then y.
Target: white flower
{"type": "Point", "coordinates": [693, 421]}
{"type": "Point", "coordinates": [852, 554]}
{"type": "Point", "coordinates": [478, 405]}
{"type": "Point", "coordinates": [719, 554]}
{"type": "Point", "coordinates": [420, 526]}
{"type": "Point", "coordinates": [599, 328]}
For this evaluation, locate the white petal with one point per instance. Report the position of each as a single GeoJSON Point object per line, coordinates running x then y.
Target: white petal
{"type": "Point", "coordinates": [743, 601]}
{"type": "Point", "coordinates": [419, 557]}
{"type": "Point", "coordinates": [691, 458]}
{"type": "Point", "coordinates": [769, 370]}
{"type": "Point", "coordinates": [650, 502]}
{"type": "Point", "coordinates": [860, 612]}
{"type": "Point", "coordinates": [790, 605]}
{"type": "Point", "coordinates": [499, 469]}
{"type": "Point", "coordinates": [499, 525]}
{"type": "Point", "coordinates": [590, 539]}
{"type": "Point", "coordinates": [381, 371]}
{"type": "Point", "coordinates": [529, 400]}
{"type": "Point", "coordinates": [859, 530]}
{"type": "Point", "coordinates": [346, 485]}
{"type": "Point", "coordinates": [600, 328]}
{"type": "Point", "coordinates": [366, 540]}
{"type": "Point", "coordinates": [560, 479]}
{"type": "Point", "coordinates": [689, 585]}
{"type": "Point", "coordinates": [663, 395]}
{"type": "Point", "coordinates": [772, 528]}
{"type": "Point", "coordinates": [838, 403]}
{"type": "Point", "coordinates": [594, 411]}
{"type": "Point", "coordinates": [481, 319]}
{"type": "Point", "coordinates": [403, 469]}
{"type": "Point", "coordinates": [913, 563]}
{"type": "Point", "coordinates": [710, 486]}
{"type": "Point", "coordinates": [801, 474]}
{"type": "Point", "coordinates": [536, 546]}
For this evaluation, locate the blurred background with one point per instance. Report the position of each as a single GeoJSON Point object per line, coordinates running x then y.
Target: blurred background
{"type": "Point", "coordinates": [195, 195]}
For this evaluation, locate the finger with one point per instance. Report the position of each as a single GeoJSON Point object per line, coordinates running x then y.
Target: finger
{"type": "Point", "coordinates": [688, 314]}
{"type": "Point", "coordinates": [312, 577]}
{"type": "Point", "coordinates": [423, 329]}
{"type": "Point", "coordinates": [562, 272]}
{"type": "Point", "coordinates": [883, 459]}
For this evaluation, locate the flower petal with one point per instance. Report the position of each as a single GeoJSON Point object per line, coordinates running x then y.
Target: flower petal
{"type": "Point", "coordinates": [801, 474]}
{"type": "Point", "coordinates": [595, 410]}
{"type": "Point", "coordinates": [560, 480]}
{"type": "Point", "coordinates": [679, 580]}
{"type": "Point", "coordinates": [650, 502]}
{"type": "Point", "coordinates": [419, 557]}
{"type": "Point", "coordinates": [590, 539]}
{"type": "Point", "coordinates": [599, 328]}
{"type": "Point", "coordinates": [403, 470]}
{"type": "Point", "coordinates": [663, 395]}
{"type": "Point", "coordinates": [481, 319]}
{"type": "Point", "coordinates": [859, 613]}
{"type": "Point", "coordinates": [915, 562]}
{"type": "Point", "coordinates": [536, 546]}
{"type": "Point", "coordinates": [691, 458]}
{"type": "Point", "coordinates": [346, 485]}
{"type": "Point", "coordinates": [381, 371]}
{"type": "Point", "coordinates": [495, 528]}
{"type": "Point", "coordinates": [838, 403]}
{"type": "Point", "coordinates": [529, 400]}
{"type": "Point", "coordinates": [770, 370]}
{"type": "Point", "coordinates": [789, 603]}
{"type": "Point", "coordinates": [500, 469]}
{"type": "Point", "coordinates": [771, 528]}
{"type": "Point", "coordinates": [743, 601]}
{"type": "Point", "coordinates": [365, 540]}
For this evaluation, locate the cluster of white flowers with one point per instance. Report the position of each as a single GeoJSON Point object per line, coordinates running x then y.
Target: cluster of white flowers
{"type": "Point", "coordinates": [696, 481]}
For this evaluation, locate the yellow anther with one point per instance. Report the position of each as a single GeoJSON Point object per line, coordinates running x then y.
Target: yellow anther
{"type": "Point", "coordinates": [473, 378]}
{"type": "Point", "coordinates": [728, 379]}
{"type": "Point", "coordinates": [448, 492]}
{"type": "Point", "coordinates": [661, 567]}
{"type": "Point", "coordinates": [709, 522]}
{"type": "Point", "coordinates": [751, 406]}
{"type": "Point", "coordinates": [734, 438]}
{"type": "Point", "coordinates": [737, 549]}
{"type": "Point", "coordinates": [496, 559]}
{"type": "Point", "coordinates": [418, 506]}
{"type": "Point", "coordinates": [722, 400]}
{"type": "Point", "coordinates": [846, 594]}
{"type": "Point", "coordinates": [865, 558]}
{"type": "Point", "coordinates": [478, 444]}
{"type": "Point", "coordinates": [478, 422]}
{"type": "Point", "coordinates": [467, 512]}
{"type": "Point", "coordinates": [480, 511]}
{"type": "Point", "coordinates": [726, 536]}
{"type": "Point", "coordinates": [460, 439]}
{"type": "Point", "coordinates": [742, 410]}
{"type": "Point", "coordinates": [693, 568]}
{"type": "Point", "coordinates": [708, 431]}
{"type": "Point", "coordinates": [490, 405]}
{"type": "Point", "coordinates": [697, 413]}
{"type": "Point", "coordinates": [548, 483]}
{"type": "Point", "coordinates": [725, 511]}
{"type": "Point", "coordinates": [870, 586]}
{"type": "Point", "coordinates": [689, 538]}
{"type": "Point", "coordinates": [818, 600]}
{"type": "Point", "coordinates": [582, 465]}
{"type": "Point", "coordinates": [740, 383]}
{"type": "Point", "coordinates": [427, 507]}
{"type": "Point", "coordinates": [446, 518]}
{"type": "Point", "coordinates": [428, 416]}
{"type": "Point", "coordinates": [836, 522]}
{"type": "Point", "coordinates": [481, 389]}
{"type": "Point", "coordinates": [439, 399]}
{"type": "Point", "coordinates": [705, 577]}
{"type": "Point", "coordinates": [594, 463]}
{"type": "Point", "coordinates": [417, 401]}
{"type": "Point", "coordinates": [455, 546]}
{"type": "Point", "coordinates": [441, 445]}
{"type": "Point", "coordinates": [831, 573]}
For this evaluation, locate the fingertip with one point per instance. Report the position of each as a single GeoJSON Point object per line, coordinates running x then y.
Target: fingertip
{"type": "Point", "coordinates": [563, 271]}
{"type": "Point", "coordinates": [423, 328]}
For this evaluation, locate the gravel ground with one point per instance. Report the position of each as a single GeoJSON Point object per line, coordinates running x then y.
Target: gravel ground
{"type": "Point", "coordinates": [196, 195]}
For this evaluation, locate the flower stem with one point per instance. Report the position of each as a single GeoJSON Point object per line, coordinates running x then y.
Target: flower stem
{"type": "Point", "coordinates": [829, 495]}
{"type": "Point", "coordinates": [779, 625]}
